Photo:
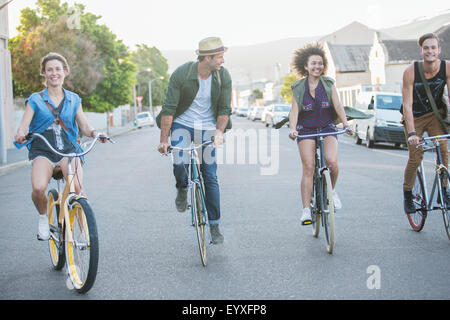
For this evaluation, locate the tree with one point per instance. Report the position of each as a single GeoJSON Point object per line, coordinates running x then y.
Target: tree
{"type": "Point", "coordinates": [151, 65]}
{"type": "Point", "coordinates": [286, 90]}
{"type": "Point", "coordinates": [257, 94]}
{"type": "Point", "coordinates": [47, 37]}
{"type": "Point", "coordinates": [101, 72]}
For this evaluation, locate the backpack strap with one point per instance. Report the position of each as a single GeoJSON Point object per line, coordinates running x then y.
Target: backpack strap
{"type": "Point", "coordinates": [57, 117]}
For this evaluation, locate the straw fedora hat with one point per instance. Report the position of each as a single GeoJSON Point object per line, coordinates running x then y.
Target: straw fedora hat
{"type": "Point", "coordinates": [210, 46]}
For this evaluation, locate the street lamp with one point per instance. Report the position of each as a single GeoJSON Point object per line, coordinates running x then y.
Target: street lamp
{"type": "Point", "coordinates": [150, 94]}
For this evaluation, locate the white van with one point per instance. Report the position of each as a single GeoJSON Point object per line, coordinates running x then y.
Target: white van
{"type": "Point", "coordinates": [385, 124]}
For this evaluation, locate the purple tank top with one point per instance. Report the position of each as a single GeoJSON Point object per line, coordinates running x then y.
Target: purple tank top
{"type": "Point", "coordinates": [316, 111]}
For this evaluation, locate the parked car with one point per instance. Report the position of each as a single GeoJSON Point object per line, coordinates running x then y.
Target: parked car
{"type": "Point", "coordinates": [250, 109]}
{"type": "Point", "coordinates": [242, 111]}
{"type": "Point", "coordinates": [385, 124]}
{"type": "Point", "coordinates": [274, 113]}
{"type": "Point", "coordinates": [256, 113]}
{"type": "Point", "coordinates": [144, 119]}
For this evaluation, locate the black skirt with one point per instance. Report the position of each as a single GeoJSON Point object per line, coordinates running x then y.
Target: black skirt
{"type": "Point", "coordinates": [59, 142]}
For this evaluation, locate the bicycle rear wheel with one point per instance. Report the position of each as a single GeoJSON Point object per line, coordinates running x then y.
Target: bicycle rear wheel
{"type": "Point", "coordinates": [56, 241]}
{"type": "Point", "coordinates": [327, 206]}
{"type": "Point", "coordinates": [82, 253]}
{"type": "Point", "coordinates": [445, 212]}
{"type": "Point", "coordinates": [417, 219]}
{"type": "Point", "coordinates": [199, 214]}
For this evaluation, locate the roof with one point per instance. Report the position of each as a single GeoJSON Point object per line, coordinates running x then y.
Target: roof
{"type": "Point", "coordinates": [350, 58]}
{"type": "Point", "coordinates": [354, 33]}
{"type": "Point", "coordinates": [444, 40]}
{"type": "Point", "coordinates": [401, 50]}
{"type": "Point", "coordinates": [408, 50]}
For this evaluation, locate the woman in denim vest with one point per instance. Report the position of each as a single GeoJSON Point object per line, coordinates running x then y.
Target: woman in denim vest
{"type": "Point", "coordinates": [317, 113]}
{"type": "Point", "coordinates": [63, 137]}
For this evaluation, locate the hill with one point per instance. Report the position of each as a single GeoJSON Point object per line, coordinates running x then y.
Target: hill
{"type": "Point", "coordinates": [271, 60]}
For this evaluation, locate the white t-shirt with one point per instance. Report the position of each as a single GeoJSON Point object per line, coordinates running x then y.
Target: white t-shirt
{"type": "Point", "coordinates": [200, 114]}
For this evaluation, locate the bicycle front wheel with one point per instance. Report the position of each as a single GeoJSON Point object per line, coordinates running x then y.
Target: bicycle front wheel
{"type": "Point", "coordinates": [199, 214]}
{"type": "Point", "coordinates": [82, 253]}
{"type": "Point", "coordinates": [315, 215]}
{"type": "Point", "coordinates": [445, 212]}
{"type": "Point", "coordinates": [56, 241]}
{"type": "Point", "coordinates": [417, 219]}
{"type": "Point", "coordinates": [327, 206]}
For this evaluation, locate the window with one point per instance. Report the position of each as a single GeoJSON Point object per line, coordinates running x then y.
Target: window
{"type": "Point", "coordinates": [389, 102]}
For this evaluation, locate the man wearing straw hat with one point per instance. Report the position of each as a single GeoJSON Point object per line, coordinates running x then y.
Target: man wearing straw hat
{"type": "Point", "coordinates": [198, 107]}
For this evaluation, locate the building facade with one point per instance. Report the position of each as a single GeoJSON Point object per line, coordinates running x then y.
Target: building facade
{"type": "Point", "coordinates": [6, 92]}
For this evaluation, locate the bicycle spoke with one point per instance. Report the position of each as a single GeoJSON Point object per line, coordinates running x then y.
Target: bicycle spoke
{"type": "Point", "coordinates": [82, 252]}
{"type": "Point", "coordinates": [198, 212]}
{"type": "Point", "coordinates": [55, 244]}
{"type": "Point", "coordinates": [417, 219]}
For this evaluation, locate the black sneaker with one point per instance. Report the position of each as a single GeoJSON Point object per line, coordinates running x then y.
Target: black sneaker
{"type": "Point", "coordinates": [216, 236]}
{"type": "Point", "coordinates": [181, 200]}
{"type": "Point", "coordinates": [408, 203]}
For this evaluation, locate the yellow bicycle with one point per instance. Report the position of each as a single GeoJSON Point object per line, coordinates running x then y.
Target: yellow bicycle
{"type": "Point", "coordinates": [73, 229]}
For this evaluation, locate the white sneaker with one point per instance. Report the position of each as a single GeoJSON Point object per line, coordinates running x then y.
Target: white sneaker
{"type": "Point", "coordinates": [43, 228]}
{"type": "Point", "coordinates": [337, 202]}
{"type": "Point", "coordinates": [306, 217]}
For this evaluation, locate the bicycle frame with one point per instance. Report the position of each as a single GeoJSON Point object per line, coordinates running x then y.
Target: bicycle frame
{"type": "Point", "coordinates": [194, 174]}
{"type": "Point", "coordinates": [439, 168]}
{"type": "Point", "coordinates": [320, 157]}
{"type": "Point", "coordinates": [65, 198]}
{"type": "Point", "coordinates": [195, 177]}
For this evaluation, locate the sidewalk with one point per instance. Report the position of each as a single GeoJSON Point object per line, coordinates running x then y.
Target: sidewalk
{"type": "Point", "coordinates": [19, 158]}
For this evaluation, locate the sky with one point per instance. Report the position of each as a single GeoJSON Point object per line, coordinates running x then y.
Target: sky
{"type": "Point", "coordinates": [181, 24]}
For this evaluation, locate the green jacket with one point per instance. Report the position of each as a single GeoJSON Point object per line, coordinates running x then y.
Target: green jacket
{"type": "Point", "coordinates": [183, 88]}
{"type": "Point", "coordinates": [298, 92]}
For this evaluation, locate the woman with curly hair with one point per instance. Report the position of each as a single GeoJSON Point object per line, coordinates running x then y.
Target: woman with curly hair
{"type": "Point", "coordinates": [315, 109]}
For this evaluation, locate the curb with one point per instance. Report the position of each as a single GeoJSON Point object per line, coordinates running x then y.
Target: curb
{"type": "Point", "coordinates": [13, 166]}
{"type": "Point", "coordinates": [20, 164]}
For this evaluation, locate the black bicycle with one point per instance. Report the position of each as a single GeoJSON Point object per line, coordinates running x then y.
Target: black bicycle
{"type": "Point", "coordinates": [424, 203]}
{"type": "Point", "coordinates": [322, 206]}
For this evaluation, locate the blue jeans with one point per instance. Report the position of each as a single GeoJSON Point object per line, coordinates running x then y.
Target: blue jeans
{"type": "Point", "coordinates": [181, 136]}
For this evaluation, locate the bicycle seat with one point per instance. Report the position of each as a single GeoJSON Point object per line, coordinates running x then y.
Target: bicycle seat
{"type": "Point", "coordinates": [57, 174]}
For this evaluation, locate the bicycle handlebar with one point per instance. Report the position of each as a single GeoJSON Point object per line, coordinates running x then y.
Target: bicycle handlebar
{"type": "Point", "coordinates": [433, 140]}
{"type": "Point", "coordinates": [191, 148]}
{"type": "Point", "coordinates": [30, 135]}
{"type": "Point", "coordinates": [321, 134]}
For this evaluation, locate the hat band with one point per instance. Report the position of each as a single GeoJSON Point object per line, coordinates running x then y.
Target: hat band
{"type": "Point", "coordinates": [212, 51]}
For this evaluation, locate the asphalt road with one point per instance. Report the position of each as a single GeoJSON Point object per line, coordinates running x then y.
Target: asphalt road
{"type": "Point", "coordinates": [148, 250]}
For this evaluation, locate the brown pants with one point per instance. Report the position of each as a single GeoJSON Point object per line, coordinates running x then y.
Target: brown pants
{"type": "Point", "coordinates": [426, 123]}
